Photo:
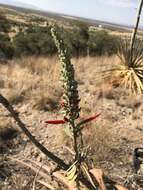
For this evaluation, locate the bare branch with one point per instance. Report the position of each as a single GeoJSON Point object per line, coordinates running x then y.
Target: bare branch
{"type": "Point", "coordinates": [23, 127]}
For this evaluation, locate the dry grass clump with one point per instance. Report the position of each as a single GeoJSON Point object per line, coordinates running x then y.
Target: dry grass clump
{"type": "Point", "coordinates": [93, 69]}
{"type": "Point", "coordinates": [15, 183]}
{"type": "Point", "coordinates": [99, 136]}
{"type": "Point", "coordinates": [101, 140]}
{"type": "Point", "coordinates": [94, 83]}
{"type": "Point", "coordinates": [34, 80]}
{"type": "Point", "coordinates": [40, 65]}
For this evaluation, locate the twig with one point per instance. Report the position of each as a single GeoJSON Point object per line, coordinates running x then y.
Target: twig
{"type": "Point", "coordinates": [45, 184]}
{"type": "Point", "coordinates": [35, 178]}
{"type": "Point", "coordinates": [23, 127]}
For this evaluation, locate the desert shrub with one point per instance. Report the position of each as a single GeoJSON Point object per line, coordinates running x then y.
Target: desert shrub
{"type": "Point", "coordinates": [37, 40]}
{"type": "Point", "coordinates": [77, 44]}
{"type": "Point", "coordinates": [6, 47]}
{"type": "Point", "coordinates": [37, 19]}
{"type": "Point", "coordinates": [83, 29]}
{"type": "Point", "coordinates": [100, 42]}
{"type": "Point", "coordinates": [82, 42]}
{"type": "Point", "coordinates": [4, 24]}
{"type": "Point", "coordinates": [78, 38]}
{"type": "Point", "coordinates": [34, 41]}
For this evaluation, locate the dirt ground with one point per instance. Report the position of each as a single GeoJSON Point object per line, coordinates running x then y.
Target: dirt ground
{"type": "Point", "coordinates": [112, 138]}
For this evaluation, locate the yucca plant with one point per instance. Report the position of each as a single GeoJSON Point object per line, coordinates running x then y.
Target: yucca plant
{"type": "Point", "coordinates": [130, 70]}
{"type": "Point", "coordinates": [130, 53]}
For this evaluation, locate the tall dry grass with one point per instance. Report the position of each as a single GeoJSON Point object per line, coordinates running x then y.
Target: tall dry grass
{"type": "Point", "coordinates": [36, 80]}
{"type": "Point", "coordinates": [31, 80]}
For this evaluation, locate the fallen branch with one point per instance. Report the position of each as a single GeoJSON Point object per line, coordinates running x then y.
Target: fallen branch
{"type": "Point", "coordinates": [46, 172]}
{"type": "Point", "coordinates": [50, 187]}
{"type": "Point", "coordinates": [98, 174]}
{"type": "Point", "coordinates": [102, 180]}
{"type": "Point", "coordinates": [23, 127]}
{"type": "Point", "coordinates": [119, 187]}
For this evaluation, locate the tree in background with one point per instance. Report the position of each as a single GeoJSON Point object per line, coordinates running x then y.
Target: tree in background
{"type": "Point", "coordinates": [4, 24]}
{"type": "Point", "coordinates": [35, 40]}
{"type": "Point", "coordinates": [6, 47]}
{"type": "Point", "coordinates": [102, 43]}
{"type": "Point", "coordinates": [79, 38]}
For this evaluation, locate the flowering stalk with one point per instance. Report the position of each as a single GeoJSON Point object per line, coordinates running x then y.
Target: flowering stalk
{"type": "Point", "coordinates": [70, 108]}
{"type": "Point", "coordinates": [71, 99]}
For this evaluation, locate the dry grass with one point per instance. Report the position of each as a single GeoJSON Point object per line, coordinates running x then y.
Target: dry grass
{"type": "Point", "coordinates": [36, 80]}
{"type": "Point", "coordinates": [32, 80]}
{"type": "Point", "coordinates": [101, 141]}
{"type": "Point", "coordinates": [15, 183]}
{"type": "Point", "coordinates": [34, 83]}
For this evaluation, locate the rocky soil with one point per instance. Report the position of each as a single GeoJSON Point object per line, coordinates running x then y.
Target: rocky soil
{"type": "Point", "coordinates": [122, 114]}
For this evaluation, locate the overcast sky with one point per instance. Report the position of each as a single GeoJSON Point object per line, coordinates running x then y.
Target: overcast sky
{"type": "Point", "coordinates": [118, 11]}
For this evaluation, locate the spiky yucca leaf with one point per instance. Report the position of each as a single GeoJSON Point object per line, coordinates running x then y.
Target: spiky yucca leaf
{"type": "Point", "coordinates": [131, 68]}
{"type": "Point", "coordinates": [71, 173]}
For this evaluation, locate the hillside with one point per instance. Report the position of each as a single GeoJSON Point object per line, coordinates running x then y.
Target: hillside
{"type": "Point", "coordinates": [48, 15]}
{"type": "Point", "coordinates": [24, 15]}
{"type": "Point", "coordinates": [86, 97]}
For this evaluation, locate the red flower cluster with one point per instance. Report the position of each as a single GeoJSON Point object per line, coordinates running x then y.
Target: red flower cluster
{"type": "Point", "coordinates": [65, 120]}
{"type": "Point", "coordinates": [91, 118]}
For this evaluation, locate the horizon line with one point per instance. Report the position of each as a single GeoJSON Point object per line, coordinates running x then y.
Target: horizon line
{"type": "Point", "coordinates": [34, 8]}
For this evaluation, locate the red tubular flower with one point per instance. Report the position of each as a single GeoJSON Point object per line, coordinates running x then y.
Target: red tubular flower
{"type": "Point", "coordinates": [55, 122]}
{"type": "Point", "coordinates": [89, 119]}
{"type": "Point", "coordinates": [92, 118]}
{"type": "Point", "coordinates": [65, 120]}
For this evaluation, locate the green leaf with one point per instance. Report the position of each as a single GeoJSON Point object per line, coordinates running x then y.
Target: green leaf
{"type": "Point", "coordinates": [68, 131]}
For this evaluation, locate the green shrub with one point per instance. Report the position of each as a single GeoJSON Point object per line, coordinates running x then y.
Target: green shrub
{"type": "Point", "coordinates": [34, 41]}
{"type": "Point", "coordinates": [6, 47]}
{"type": "Point", "coordinates": [79, 37]}
{"type": "Point", "coordinates": [37, 40]}
{"type": "Point", "coordinates": [4, 24]}
{"type": "Point", "coordinates": [37, 20]}
{"type": "Point", "coordinates": [100, 43]}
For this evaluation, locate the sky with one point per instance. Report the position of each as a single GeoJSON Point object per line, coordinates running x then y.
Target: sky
{"type": "Point", "coordinates": [117, 11]}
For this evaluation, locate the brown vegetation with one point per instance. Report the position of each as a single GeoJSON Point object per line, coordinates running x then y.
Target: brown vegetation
{"type": "Point", "coordinates": [32, 85]}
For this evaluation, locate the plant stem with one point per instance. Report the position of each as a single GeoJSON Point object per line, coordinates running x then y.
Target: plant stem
{"type": "Point", "coordinates": [23, 127]}
{"type": "Point", "coordinates": [75, 143]}
{"type": "Point", "coordinates": [136, 25]}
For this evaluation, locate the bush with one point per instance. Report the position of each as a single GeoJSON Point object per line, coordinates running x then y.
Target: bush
{"type": "Point", "coordinates": [79, 37]}
{"type": "Point", "coordinates": [34, 41]}
{"type": "Point", "coordinates": [100, 43]}
{"type": "Point", "coordinates": [6, 47]}
{"type": "Point", "coordinates": [4, 24]}
{"type": "Point", "coordinates": [36, 19]}
{"type": "Point", "coordinates": [37, 40]}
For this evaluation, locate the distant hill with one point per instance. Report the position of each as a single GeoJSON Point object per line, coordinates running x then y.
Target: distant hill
{"type": "Point", "coordinates": [18, 4]}
{"type": "Point", "coordinates": [27, 8]}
